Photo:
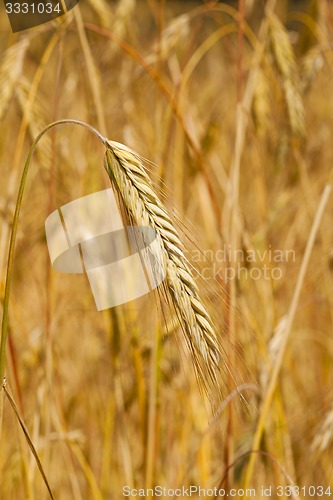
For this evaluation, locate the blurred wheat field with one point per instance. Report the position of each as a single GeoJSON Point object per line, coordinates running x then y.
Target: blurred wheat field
{"type": "Point", "coordinates": [231, 103]}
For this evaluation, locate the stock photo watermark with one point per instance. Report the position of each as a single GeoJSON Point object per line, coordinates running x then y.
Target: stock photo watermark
{"type": "Point", "coordinates": [226, 264]}
{"type": "Point", "coordinates": [25, 14]}
{"type": "Point", "coordinates": [187, 492]}
{"type": "Point", "coordinates": [122, 263]}
{"type": "Point", "coordinates": [195, 491]}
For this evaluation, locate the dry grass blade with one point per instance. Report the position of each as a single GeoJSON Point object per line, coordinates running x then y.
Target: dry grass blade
{"type": "Point", "coordinates": [127, 173]}
{"type": "Point", "coordinates": [287, 67]}
{"type": "Point", "coordinates": [28, 438]}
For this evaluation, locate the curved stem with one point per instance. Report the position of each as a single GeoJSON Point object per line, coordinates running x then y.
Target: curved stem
{"type": "Point", "coordinates": [11, 251]}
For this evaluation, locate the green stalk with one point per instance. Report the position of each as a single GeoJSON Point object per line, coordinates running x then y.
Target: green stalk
{"type": "Point", "coordinates": [10, 261]}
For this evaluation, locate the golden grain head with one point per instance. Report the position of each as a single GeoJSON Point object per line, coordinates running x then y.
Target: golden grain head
{"type": "Point", "coordinates": [285, 61]}
{"type": "Point", "coordinates": [127, 172]}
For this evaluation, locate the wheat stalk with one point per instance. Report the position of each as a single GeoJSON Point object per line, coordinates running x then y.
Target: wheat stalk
{"type": "Point", "coordinates": [127, 173]}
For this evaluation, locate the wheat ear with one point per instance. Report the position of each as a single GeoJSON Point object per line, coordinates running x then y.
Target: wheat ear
{"type": "Point", "coordinates": [287, 67]}
{"type": "Point", "coordinates": [128, 174]}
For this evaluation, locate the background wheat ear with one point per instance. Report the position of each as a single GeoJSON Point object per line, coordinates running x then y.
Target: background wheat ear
{"type": "Point", "coordinates": [285, 62]}
{"type": "Point", "coordinates": [128, 175]}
